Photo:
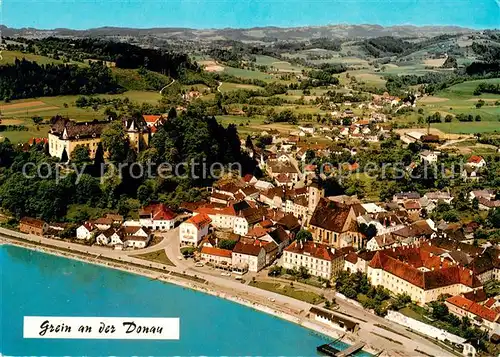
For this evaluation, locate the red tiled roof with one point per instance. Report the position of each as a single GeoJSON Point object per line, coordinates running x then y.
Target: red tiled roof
{"type": "Point", "coordinates": [200, 220]}
{"type": "Point", "coordinates": [32, 141]}
{"type": "Point", "coordinates": [474, 308]}
{"type": "Point", "coordinates": [316, 250]}
{"type": "Point", "coordinates": [247, 178]}
{"type": "Point", "coordinates": [216, 251]}
{"type": "Point", "coordinates": [411, 204]}
{"type": "Point", "coordinates": [475, 159]}
{"type": "Point", "coordinates": [408, 270]}
{"type": "Point", "coordinates": [489, 303]}
{"type": "Point", "coordinates": [248, 249]}
{"type": "Point", "coordinates": [352, 258]}
{"type": "Point", "coordinates": [158, 211]}
{"type": "Point", "coordinates": [151, 118]}
{"type": "Point", "coordinates": [209, 210]}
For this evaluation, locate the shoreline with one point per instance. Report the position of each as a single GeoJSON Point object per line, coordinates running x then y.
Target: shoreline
{"type": "Point", "coordinates": [167, 278]}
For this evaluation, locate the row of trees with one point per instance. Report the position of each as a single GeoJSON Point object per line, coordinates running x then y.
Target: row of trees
{"type": "Point", "coordinates": [25, 79]}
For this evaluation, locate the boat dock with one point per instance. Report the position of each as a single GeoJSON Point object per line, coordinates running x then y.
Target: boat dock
{"type": "Point", "coordinates": [329, 350]}
{"type": "Point", "coordinates": [351, 350]}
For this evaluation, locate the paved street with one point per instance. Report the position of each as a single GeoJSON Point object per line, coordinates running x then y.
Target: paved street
{"type": "Point", "coordinates": [231, 287]}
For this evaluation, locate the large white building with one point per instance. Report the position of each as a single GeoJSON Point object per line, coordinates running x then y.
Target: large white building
{"type": "Point", "coordinates": [192, 231]}
{"type": "Point", "coordinates": [319, 259]}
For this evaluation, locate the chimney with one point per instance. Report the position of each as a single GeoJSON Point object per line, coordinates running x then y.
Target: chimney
{"type": "Point", "coordinates": [470, 273]}
{"type": "Point", "coordinates": [442, 259]}
{"type": "Point", "coordinates": [332, 250]}
{"type": "Point", "coordinates": [216, 241]}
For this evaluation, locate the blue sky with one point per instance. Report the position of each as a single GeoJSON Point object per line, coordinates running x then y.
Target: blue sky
{"type": "Point", "coordinates": [83, 14]}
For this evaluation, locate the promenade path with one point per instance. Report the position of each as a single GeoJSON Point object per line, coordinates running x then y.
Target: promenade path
{"type": "Point", "coordinates": [274, 303]}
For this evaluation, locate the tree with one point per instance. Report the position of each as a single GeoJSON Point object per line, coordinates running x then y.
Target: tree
{"type": "Point", "coordinates": [304, 236]}
{"type": "Point", "coordinates": [448, 118]}
{"type": "Point", "coordinates": [369, 231]}
{"type": "Point", "coordinates": [439, 311]}
{"type": "Point", "coordinates": [479, 103]}
{"type": "Point", "coordinates": [87, 190]}
{"type": "Point", "coordinates": [303, 272]}
{"type": "Point", "coordinates": [37, 119]}
{"type": "Point", "coordinates": [64, 156]}
{"type": "Point", "coordinates": [115, 141]}
{"type": "Point", "coordinates": [494, 217]}
{"type": "Point", "coordinates": [248, 143]}
{"type": "Point", "coordinates": [275, 271]}
{"type": "Point", "coordinates": [310, 155]}
{"type": "Point", "coordinates": [80, 155]}
{"type": "Point", "coordinates": [172, 113]}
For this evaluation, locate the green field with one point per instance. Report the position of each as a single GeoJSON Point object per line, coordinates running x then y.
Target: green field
{"type": "Point", "coordinates": [9, 57]}
{"type": "Point", "coordinates": [245, 73]}
{"type": "Point", "coordinates": [20, 112]}
{"type": "Point", "coordinates": [459, 99]}
{"type": "Point", "coordinates": [227, 87]}
{"type": "Point", "coordinates": [277, 64]}
{"type": "Point", "coordinates": [466, 89]}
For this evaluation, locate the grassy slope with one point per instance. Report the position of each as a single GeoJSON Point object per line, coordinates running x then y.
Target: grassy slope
{"type": "Point", "coordinates": [23, 115]}
{"type": "Point", "coordinates": [459, 99]}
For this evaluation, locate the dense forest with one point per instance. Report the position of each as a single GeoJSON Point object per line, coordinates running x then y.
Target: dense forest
{"type": "Point", "coordinates": [190, 137]}
{"type": "Point", "coordinates": [25, 79]}
{"type": "Point", "coordinates": [386, 46]}
{"type": "Point", "coordinates": [124, 55]}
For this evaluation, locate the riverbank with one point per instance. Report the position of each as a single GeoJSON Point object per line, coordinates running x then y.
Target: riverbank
{"type": "Point", "coordinates": [274, 309]}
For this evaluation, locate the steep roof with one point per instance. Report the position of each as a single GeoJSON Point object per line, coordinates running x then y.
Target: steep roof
{"type": "Point", "coordinates": [474, 308]}
{"type": "Point", "coordinates": [316, 250]}
{"type": "Point", "coordinates": [279, 235]}
{"type": "Point", "coordinates": [200, 220]}
{"type": "Point", "coordinates": [71, 129]}
{"type": "Point", "coordinates": [426, 280]}
{"type": "Point", "coordinates": [474, 159]}
{"type": "Point", "coordinates": [330, 216]}
{"type": "Point", "coordinates": [158, 211]}
{"type": "Point", "coordinates": [226, 253]}
{"type": "Point", "coordinates": [248, 249]}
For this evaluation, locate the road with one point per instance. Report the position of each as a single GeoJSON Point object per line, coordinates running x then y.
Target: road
{"type": "Point", "coordinates": [168, 85]}
{"type": "Point", "coordinates": [279, 304]}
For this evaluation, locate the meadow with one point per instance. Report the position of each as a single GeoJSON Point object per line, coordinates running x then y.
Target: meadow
{"type": "Point", "coordinates": [459, 99]}
{"type": "Point", "coordinates": [21, 112]}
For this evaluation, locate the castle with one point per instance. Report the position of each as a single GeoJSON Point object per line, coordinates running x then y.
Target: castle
{"type": "Point", "coordinates": [66, 134]}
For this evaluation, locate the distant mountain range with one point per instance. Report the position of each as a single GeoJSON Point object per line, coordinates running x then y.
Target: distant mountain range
{"type": "Point", "coordinates": [257, 34]}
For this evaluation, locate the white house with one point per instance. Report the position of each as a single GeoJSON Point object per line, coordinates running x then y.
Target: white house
{"type": "Point", "coordinates": [135, 237]}
{"type": "Point", "coordinates": [429, 156]}
{"type": "Point", "coordinates": [251, 257]}
{"type": "Point", "coordinates": [85, 231]}
{"type": "Point", "coordinates": [158, 217]}
{"type": "Point", "coordinates": [192, 231]}
{"type": "Point", "coordinates": [110, 236]}
{"type": "Point", "coordinates": [476, 162]}
{"type": "Point", "coordinates": [308, 129]}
